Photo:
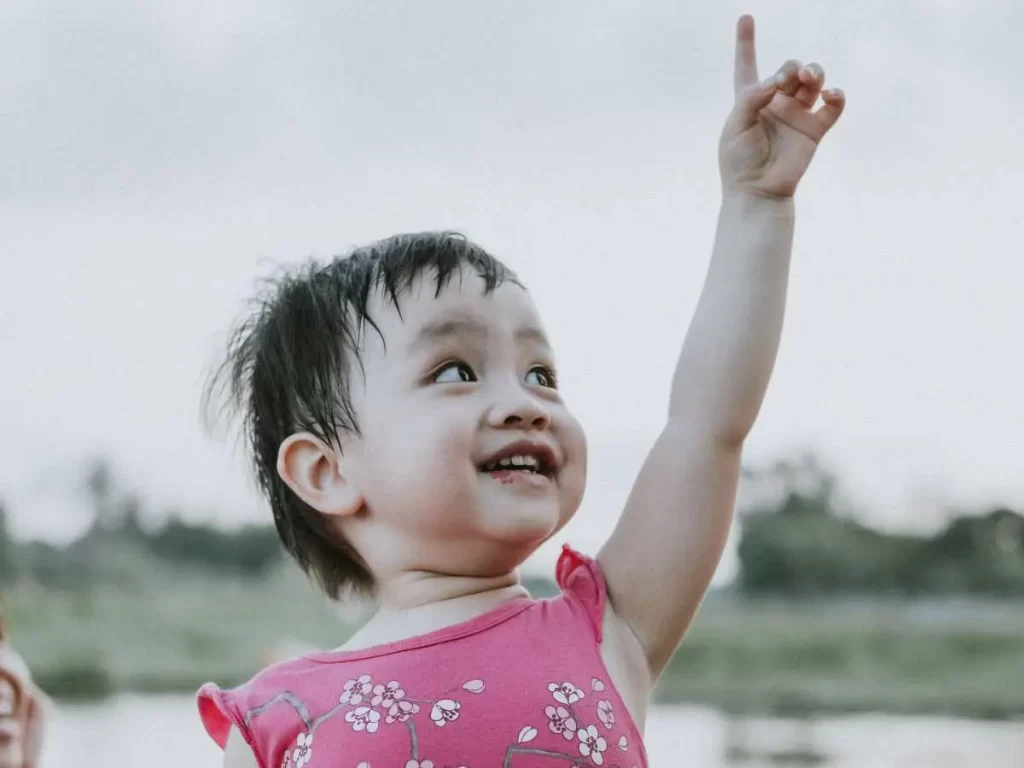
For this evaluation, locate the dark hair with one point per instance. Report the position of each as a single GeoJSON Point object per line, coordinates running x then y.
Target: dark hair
{"type": "Point", "coordinates": [289, 363]}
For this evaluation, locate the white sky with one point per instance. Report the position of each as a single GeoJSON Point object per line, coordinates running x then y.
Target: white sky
{"type": "Point", "coordinates": [155, 158]}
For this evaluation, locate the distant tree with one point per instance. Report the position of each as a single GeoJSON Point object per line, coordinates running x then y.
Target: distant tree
{"type": "Point", "coordinates": [99, 481]}
{"type": "Point", "coordinates": [249, 551]}
{"type": "Point", "coordinates": [794, 542]}
{"type": "Point", "coordinates": [52, 566]}
{"type": "Point", "coordinates": [130, 518]}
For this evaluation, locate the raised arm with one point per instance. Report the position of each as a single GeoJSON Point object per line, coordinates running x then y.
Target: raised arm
{"type": "Point", "coordinates": [661, 557]}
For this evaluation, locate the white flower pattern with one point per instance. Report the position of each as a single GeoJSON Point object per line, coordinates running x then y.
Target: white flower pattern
{"type": "Point", "coordinates": [566, 693]}
{"type": "Point", "coordinates": [303, 750]}
{"type": "Point", "coordinates": [560, 720]}
{"type": "Point", "coordinates": [363, 719]}
{"type": "Point", "coordinates": [401, 711]}
{"type": "Point", "coordinates": [592, 744]}
{"type": "Point", "coordinates": [445, 711]}
{"type": "Point", "coordinates": [386, 695]}
{"type": "Point", "coordinates": [605, 714]}
{"type": "Point", "coordinates": [356, 690]}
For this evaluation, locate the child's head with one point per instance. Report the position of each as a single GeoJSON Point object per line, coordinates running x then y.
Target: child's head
{"type": "Point", "coordinates": [378, 392]}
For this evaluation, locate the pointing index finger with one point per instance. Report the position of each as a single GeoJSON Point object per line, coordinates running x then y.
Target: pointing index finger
{"type": "Point", "coordinates": [745, 71]}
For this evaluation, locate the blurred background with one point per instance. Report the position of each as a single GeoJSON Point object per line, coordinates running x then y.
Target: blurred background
{"type": "Point", "coordinates": [157, 158]}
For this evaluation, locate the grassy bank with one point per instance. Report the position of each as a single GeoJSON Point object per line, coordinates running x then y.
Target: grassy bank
{"type": "Point", "coordinates": [767, 657]}
{"type": "Point", "coordinates": [910, 658]}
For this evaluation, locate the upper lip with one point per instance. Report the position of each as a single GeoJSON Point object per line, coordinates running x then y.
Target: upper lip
{"type": "Point", "coordinates": [541, 451]}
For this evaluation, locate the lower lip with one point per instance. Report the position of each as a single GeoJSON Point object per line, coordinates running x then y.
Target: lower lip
{"type": "Point", "coordinates": [518, 477]}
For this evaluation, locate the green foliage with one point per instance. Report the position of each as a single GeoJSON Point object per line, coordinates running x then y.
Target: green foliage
{"type": "Point", "coordinates": [805, 545]}
{"type": "Point", "coordinates": [948, 656]}
{"type": "Point", "coordinates": [250, 551]}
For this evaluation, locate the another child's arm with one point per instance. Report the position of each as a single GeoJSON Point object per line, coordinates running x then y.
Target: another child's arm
{"type": "Point", "coordinates": [35, 733]}
{"type": "Point", "coordinates": [661, 557]}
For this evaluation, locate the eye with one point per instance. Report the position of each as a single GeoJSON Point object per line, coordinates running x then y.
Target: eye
{"type": "Point", "coordinates": [454, 373]}
{"type": "Point", "coordinates": [541, 376]}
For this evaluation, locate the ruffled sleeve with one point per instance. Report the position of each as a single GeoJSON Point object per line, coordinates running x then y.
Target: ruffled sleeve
{"type": "Point", "coordinates": [219, 712]}
{"type": "Point", "coordinates": [580, 577]}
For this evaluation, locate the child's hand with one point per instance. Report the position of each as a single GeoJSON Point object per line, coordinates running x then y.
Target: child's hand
{"type": "Point", "coordinates": [771, 134]}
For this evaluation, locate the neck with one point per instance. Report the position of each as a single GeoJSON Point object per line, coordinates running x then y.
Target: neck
{"type": "Point", "coordinates": [414, 590]}
{"type": "Point", "coordinates": [416, 603]}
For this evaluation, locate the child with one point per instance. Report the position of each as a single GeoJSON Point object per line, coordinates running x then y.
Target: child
{"type": "Point", "coordinates": [404, 414]}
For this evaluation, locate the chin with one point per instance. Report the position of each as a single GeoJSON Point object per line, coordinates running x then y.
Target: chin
{"type": "Point", "coordinates": [528, 526]}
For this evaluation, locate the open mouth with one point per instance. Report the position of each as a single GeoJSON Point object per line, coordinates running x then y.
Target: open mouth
{"type": "Point", "coordinates": [532, 458]}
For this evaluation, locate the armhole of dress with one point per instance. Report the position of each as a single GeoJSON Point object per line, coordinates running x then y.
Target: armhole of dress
{"type": "Point", "coordinates": [580, 577]}
{"type": "Point", "coordinates": [219, 714]}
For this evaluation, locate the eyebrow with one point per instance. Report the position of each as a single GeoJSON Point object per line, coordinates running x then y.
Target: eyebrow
{"type": "Point", "coordinates": [446, 329]}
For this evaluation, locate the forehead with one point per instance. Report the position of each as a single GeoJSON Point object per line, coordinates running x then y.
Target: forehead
{"type": "Point", "coordinates": [507, 309]}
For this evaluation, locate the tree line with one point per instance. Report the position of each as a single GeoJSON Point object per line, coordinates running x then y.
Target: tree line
{"type": "Point", "coordinates": [801, 541]}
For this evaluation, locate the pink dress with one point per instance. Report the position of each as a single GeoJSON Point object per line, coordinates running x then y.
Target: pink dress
{"type": "Point", "coordinates": [522, 686]}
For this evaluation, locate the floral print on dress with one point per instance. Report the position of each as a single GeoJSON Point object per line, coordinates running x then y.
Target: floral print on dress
{"type": "Point", "coordinates": [401, 711]}
{"type": "Point", "coordinates": [368, 705]}
{"type": "Point", "coordinates": [560, 720]}
{"type": "Point", "coordinates": [576, 730]}
{"type": "Point", "coordinates": [356, 690]}
{"type": "Point", "coordinates": [303, 751]}
{"type": "Point", "coordinates": [445, 711]}
{"type": "Point", "coordinates": [386, 695]}
{"type": "Point", "coordinates": [566, 693]}
{"type": "Point", "coordinates": [566, 719]}
{"type": "Point", "coordinates": [363, 719]}
{"type": "Point", "coordinates": [592, 744]}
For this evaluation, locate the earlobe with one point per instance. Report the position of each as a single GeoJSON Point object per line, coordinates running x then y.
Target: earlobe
{"type": "Point", "coordinates": [311, 469]}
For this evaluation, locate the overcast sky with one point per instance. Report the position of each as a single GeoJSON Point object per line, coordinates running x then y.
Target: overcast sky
{"type": "Point", "coordinates": [155, 158]}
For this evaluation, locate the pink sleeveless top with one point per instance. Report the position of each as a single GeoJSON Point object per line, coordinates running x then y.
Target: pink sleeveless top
{"type": "Point", "coordinates": [522, 686]}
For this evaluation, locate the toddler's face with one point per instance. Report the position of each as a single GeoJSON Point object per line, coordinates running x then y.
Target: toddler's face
{"type": "Point", "coordinates": [468, 458]}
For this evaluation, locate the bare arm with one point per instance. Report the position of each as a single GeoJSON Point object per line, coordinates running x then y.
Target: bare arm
{"type": "Point", "coordinates": [35, 735]}
{"type": "Point", "coordinates": [670, 538]}
{"type": "Point", "coordinates": [664, 551]}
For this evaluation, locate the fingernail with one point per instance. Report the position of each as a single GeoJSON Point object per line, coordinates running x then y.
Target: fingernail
{"type": "Point", "coordinates": [780, 79]}
{"type": "Point", "coordinates": [770, 82]}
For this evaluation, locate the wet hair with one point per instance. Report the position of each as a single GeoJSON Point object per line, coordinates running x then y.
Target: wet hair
{"type": "Point", "coordinates": [289, 365]}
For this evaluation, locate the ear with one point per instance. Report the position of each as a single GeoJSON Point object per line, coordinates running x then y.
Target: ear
{"type": "Point", "coordinates": [312, 470]}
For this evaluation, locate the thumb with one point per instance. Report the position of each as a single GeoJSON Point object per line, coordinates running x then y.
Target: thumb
{"type": "Point", "coordinates": [751, 100]}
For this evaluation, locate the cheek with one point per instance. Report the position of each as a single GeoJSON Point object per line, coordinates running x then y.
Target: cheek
{"type": "Point", "coordinates": [410, 451]}
{"type": "Point", "coordinates": [574, 442]}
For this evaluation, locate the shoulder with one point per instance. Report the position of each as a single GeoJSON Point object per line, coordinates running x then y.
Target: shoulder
{"type": "Point", "coordinates": [582, 580]}
{"type": "Point", "coordinates": [228, 714]}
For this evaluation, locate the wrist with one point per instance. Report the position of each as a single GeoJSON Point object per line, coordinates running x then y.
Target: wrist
{"type": "Point", "coordinates": [750, 202]}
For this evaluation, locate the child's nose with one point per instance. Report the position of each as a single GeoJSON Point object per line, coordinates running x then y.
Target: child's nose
{"type": "Point", "coordinates": [520, 409]}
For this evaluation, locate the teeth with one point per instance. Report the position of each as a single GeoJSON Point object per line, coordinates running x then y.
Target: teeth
{"type": "Point", "coordinates": [530, 462]}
